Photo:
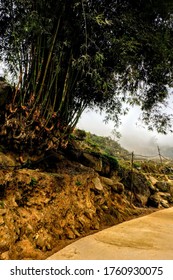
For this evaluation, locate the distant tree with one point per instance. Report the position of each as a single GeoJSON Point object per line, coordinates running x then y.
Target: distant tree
{"type": "Point", "coordinates": [70, 55]}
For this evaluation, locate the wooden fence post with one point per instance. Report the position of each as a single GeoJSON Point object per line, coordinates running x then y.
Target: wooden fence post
{"type": "Point", "coordinates": [160, 155]}
{"type": "Point", "coordinates": [131, 182]}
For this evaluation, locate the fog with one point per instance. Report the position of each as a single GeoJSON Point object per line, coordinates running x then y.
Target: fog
{"type": "Point", "coordinates": [134, 135]}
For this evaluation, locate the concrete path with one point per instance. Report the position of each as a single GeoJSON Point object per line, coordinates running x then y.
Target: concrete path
{"type": "Point", "coordinates": [148, 237]}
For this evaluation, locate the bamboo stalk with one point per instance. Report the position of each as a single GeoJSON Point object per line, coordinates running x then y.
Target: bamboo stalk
{"type": "Point", "coordinates": [48, 60]}
{"type": "Point", "coordinates": [46, 69]}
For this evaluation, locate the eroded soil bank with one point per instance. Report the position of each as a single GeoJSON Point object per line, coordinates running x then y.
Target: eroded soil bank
{"type": "Point", "coordinates": [42, 210]}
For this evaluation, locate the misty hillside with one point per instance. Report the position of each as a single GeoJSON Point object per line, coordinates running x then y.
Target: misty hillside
{"type": "Point", "coordinates": [101, 144]}
{"type": "Point", "coordinates": [167, 151]}
{"type": "Point", "coordinates": [108, 146]}
{"type": "Point", "coordinates": [113, 148]}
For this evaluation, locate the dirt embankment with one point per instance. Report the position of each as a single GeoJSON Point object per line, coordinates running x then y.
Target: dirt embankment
{"type": "Point", "coordinates": [41, 212]}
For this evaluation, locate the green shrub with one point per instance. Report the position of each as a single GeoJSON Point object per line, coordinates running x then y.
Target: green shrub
{"type": "Point", "coordinates": [113, 161]}
{"type": "Point", "coordinates": [137, 165]}
{"type": "Point", "coordinates": [33, 182]}
{"type": "Point", "coordinates": [78, 183]}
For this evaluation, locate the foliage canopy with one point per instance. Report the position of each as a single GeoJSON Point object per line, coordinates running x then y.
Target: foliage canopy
{"type": "Point", "coordinates": [70, 55]}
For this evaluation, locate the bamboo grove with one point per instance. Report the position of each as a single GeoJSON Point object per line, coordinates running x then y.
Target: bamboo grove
{"type": "Point", "coordinates": [72, 55]}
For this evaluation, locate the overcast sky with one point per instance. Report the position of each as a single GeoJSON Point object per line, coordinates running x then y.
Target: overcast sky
{"type": "Point", "coordinates": [134, 135]}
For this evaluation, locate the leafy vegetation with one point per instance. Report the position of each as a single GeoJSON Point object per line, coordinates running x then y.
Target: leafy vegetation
{"type": "Point", "coordinates": [106, 145]}
{"type": "Point", "coordinates": [33, 182]}
{"type": "Point", "coordinates": [70, 56]}
{"type": "Point", "coordinates": [78, 183]}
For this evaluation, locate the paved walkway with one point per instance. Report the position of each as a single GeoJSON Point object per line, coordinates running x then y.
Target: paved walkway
{"type": "Point", "coordinates": [148, 237]}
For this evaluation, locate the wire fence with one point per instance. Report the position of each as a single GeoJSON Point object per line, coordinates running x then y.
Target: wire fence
{"type": "Point", "coordinates": [139, 157]}
{"type": "Point", "coordinates": [160, 166]}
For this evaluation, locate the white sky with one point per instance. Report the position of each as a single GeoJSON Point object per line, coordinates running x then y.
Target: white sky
{"type": "Point", "coordinates": [134, 136]}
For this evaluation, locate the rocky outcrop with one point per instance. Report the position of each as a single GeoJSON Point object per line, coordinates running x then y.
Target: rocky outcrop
{"type": "Point", "coordinates": [92, 161]}
{"type": "Point", "coordinates": [103, 164]}
{"type": "Point", "coordinates": [161, 193]}
{"type": "Point", "coordinates": [162, 186]}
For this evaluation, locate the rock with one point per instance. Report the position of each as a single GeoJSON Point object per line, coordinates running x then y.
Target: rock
{"type": "Point", "coordinates": [43, 241]}
{"type": "Point", "coordinates": [153, 189]}
{"type": "Point", "coordinates": [107, 181]}
{"type": "Point", "coordinates": [69, 233]}
{"type": "Point", "coordinates": [163, 186]}
{"type": "Point", "coordinates": [97, 184]}
{"type": "Point", "coordinates": [166, 196]}
{"type": "Point", "coordinates": [77, 234]}
{"type": "Point", "coordinates": [96, 225]}
{"type": "Point", "coordinates": [89, 213]}
{"type": "Point", "coordinates": [160, 198]}
{"type": "Point", "coordinates": [153, 180]}
{"type": "Point", "coordinates": [140, 200]}
{"type": "Point", "coordinates": [154, 200]}
{"type": "Point", "coordinates": [92, 161]}
{"type": "Point", "coordinates": [29, 230]}
{"type": "Point", "coordinates": [140, 184]}
{"type": "Point", "coordinates": [118, 188]}
{"type": "Point", "coordinates": [164, 203]}
{"type": "Point", "coordinates": [104, 207]}
{"type": "Point", "coordinates": [85, 222]}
